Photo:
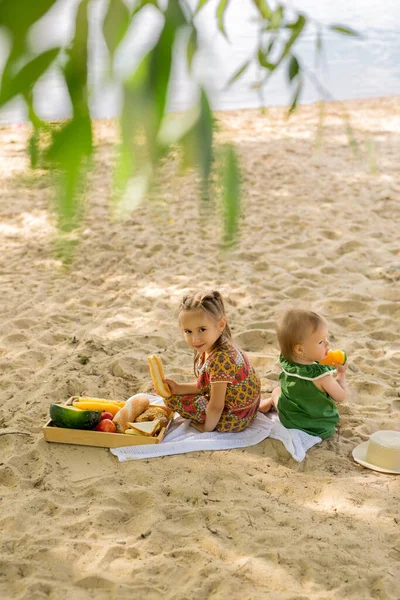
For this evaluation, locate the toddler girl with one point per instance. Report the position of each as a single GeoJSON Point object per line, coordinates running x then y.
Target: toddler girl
{"type": "Point", "coordinates": [226, 394]}
{"type": "Point", "coordinates": [307, 396]}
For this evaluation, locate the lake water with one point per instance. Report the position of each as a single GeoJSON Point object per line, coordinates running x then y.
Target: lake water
{"type": "Point", "coordinates": [349, 68]}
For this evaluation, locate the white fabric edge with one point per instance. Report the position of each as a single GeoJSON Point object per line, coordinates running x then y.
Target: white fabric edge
{"type": "Point", "coordinates": [310, 378]}
{"type": "Point", "coordinates": [296, 442]}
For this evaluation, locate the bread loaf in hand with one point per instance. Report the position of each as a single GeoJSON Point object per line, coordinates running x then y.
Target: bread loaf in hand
{"type": "Point", "coordinates": [157, 376]}
{"type": "Point", "coordinates": [132, 409]}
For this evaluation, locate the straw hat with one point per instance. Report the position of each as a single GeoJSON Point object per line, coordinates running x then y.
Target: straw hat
{"type": "Point", "coordinates": [381, 452]}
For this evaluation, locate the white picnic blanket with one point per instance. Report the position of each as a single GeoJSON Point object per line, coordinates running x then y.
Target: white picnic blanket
{"type": "Point", "coordinates": [182, 437]}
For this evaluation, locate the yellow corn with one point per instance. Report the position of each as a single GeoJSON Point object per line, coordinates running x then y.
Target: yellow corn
{"type": "Point", "coordinates": [87, 399]}
{"type": "Point", "coordinates": [91, 404]}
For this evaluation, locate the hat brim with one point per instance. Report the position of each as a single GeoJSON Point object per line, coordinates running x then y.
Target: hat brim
{"type": "Point", "coordinates": [360, 456]}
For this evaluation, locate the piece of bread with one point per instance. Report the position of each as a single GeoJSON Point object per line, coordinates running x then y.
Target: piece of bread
{"type": "Point", "coordinates": [148, 428]}
{"type": "Point", "coordinates": [157, 376]}
{"type": "Point", "coordinates": [132, 409]}
{"type": "Point", "coordinates": [151, 413]}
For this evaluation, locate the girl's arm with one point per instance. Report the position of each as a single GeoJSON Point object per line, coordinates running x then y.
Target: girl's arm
{"type": "Point", "coordinates": [181, 388]}
{"type": "Point", "coordinates": [215, 406]}
{"type": "Point", "coordinates": [336, 388]}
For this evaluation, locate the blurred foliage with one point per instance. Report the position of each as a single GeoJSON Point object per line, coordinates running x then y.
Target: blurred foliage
{"type": "Point", "coordinates": [68, 146]}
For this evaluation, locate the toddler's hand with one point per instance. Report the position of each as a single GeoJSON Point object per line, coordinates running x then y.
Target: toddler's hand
{"type": "Point", "coordinates": [340, 368]}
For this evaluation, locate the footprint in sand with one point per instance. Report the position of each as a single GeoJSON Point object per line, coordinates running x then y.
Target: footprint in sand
{"type": "Point", "coordinates": [15, 338]}
{"type": "Point", "coordinates": [130, 368]}
{"type": "Point", "coordinates": [269, 325]}
{"type": "Point", "coordinates": [96, 583]}
{"type": "Point", "coordinates": [32, 359]}
{"type": "Point", "coordinates": [53, 339]}
{"type": "Point", "coordinates": [344, 307]}
{"type": "Point", "coordinates": [369, 388]}
{"type": "Point", "coordinates": [330, 234]}
{"type": "Point", "coordinates": [8, 477]}
{"type": "Point", "coordinates": [384, 335]}
{"type": "Point", "coordinates": [262, 361]}
{"type": "Point", "coordinates": [298, 292]}
{"type": "Point", "coordinates": [255, 340]}
{"type": "Point", "coordinates": [347, 247]}
{"type": "Point", "coordinates": [390, 308]}
{"type": "Point", "coordinates": [349, 323]}
{"type": "Point", "coordinates": [24, 323]}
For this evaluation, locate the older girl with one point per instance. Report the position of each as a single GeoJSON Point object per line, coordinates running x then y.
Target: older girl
{"type": "Point", "coordinates": [226, 394]}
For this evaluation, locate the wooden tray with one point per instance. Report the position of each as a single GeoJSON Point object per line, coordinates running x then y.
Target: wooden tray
{"type": "Point", "coordinates": [85, 437]}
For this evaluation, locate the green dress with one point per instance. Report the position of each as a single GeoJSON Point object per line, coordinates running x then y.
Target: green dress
{"type": "Point", "coordinates": [301, 404]}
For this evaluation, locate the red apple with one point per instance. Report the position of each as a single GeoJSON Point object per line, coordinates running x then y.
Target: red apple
{"type": "Point", "coordinates": [106, 415]}
{"type": "Point", "coordinates": [107, 426]}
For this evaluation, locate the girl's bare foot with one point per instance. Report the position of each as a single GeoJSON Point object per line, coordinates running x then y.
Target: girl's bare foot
{"type": "Point", "coordinates": [266, 404]}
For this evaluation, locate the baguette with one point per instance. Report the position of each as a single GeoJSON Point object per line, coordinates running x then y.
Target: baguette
{"type": "Point", "coordinates": [132, 409]}
{"type": "Point", "coordinates": [157, 376]}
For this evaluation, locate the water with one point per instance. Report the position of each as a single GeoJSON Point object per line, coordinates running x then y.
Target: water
{"type": "Point", "coordinates": [349, 68]}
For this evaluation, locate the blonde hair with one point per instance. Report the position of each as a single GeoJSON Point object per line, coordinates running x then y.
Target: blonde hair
{"type": "Point", "coordinates": [213, 305]}
{"type": "Point", "coordinates": [293, 327]}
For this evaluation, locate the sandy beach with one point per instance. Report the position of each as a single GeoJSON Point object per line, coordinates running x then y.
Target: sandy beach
{"type": "Point", "coordinates": [320, 228]}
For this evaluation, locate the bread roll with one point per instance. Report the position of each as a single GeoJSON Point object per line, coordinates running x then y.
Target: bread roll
{"type": "Point", "coordinates": [157, 376]}
{"type": "Point", "coordinates": [132, 409]}
{"type": "Point", "coordinates": [151, 413]}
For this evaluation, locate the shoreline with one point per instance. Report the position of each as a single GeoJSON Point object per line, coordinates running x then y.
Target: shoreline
{"type": "Point", "coordinates": [313, 103]}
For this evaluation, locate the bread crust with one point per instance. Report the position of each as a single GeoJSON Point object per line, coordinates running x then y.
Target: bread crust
{"type": "Point", "coordinates": [157, 376]}
{"type": "Point", "coordinates": [151, 413]}
{"type": "Point", "coordinates": [132, 409]}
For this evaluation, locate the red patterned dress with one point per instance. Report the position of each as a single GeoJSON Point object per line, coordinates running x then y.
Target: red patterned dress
{"type": "Point", "coordinates": [230, 365]}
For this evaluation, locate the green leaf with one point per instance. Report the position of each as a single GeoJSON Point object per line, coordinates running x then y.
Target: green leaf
{"type": "Point", "coordinates": [200, 5]}
{"type": "Point", "coordinates": [161, 58]}
{"type": "Point", "coordinates": [71, 147]}
{"type": "Point", "coordinates": [264, 62]}
{"type": "Point", "coordinates": [293, 68]}
{"type": "Point", "coordinates": [19, 15]}
{"type": "Point", "coordinates": [132, 111]}
{"type": "Point", "coordinates": [204, 132]}
{"type": "Point", "coordinates": [196, 140]}
{"type": "Point", "coordinates": [115, 25]}
{"type": "Point", "coordinates": [221, 8]}
{"type": "Point", "coordinates": [24, 81]}
{"type": "Point", "coordinates": [276, 18]}
{"type": "Point", "coordinates": [238, 73]}
{"type": "Point", "coordinates": [297, 28]}
{"type": "Point", "coordinates": [33, 149]}
{"type": "Point", "coordinates": [345, 30]}
{"type": "Point", "coordinates": [176, 126]}
{"type": "Point", "coordinates": [75, 71]}
{"type": "Point", "coordinates": [71, 143]}
{"type": "Point", "coordinates": [231, 194]}
{"type": "Point", "coordinates": [191, 47]}
{"type": "Point", "coordinates": [263, 9]}
{"type": "Point", "coordinates": [296, 96]}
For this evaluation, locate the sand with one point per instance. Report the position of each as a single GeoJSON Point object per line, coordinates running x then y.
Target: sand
{"type": "Point", "coordinates": [320, 229]}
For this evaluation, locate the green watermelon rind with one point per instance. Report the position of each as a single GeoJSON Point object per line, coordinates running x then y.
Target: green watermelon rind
{"type": "Point", "coordinates": [63, 416]}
